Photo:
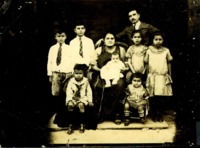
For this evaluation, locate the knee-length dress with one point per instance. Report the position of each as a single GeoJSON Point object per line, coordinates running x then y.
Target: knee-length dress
{"type": "Point", "coordinates": [158, 81]}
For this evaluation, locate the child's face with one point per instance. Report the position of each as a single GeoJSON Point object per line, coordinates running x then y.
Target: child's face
{"type": "Point", "coordinates": [109, 40]}
{"type": "Point", "coordinates": [80, 30]}
{"type": "Point", "coordinates": [158, 40]}
{"type": "Point", "coordinates": [137, 82]}
{"type": "Point", "coordinates": [115, 58]}
{"type": "Point", "coordinates": [78, 75]}
{"type": "Point", "coordinates": [137, 38]}
{"type": "Point", "coordinates": [60, 37]}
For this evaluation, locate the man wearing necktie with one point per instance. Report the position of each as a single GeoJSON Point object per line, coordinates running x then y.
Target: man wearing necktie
{"type": "Point", "coordinates": [136, 24]}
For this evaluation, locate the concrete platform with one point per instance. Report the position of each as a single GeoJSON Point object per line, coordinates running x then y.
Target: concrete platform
{"type": "Point", "coordinates": [133, 125]}
{"type": "Point", "coordinates": [110, 133]}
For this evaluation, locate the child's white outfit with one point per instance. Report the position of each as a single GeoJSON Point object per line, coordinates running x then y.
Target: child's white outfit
{"type": "Point", "coordinates": [79, 91]}
{"type": "Point", "coordinates": [87, 48]}
{"type": "Point", "coordinates": [112, 71]}
{"type": "Point", "coordinates": [158, 80]}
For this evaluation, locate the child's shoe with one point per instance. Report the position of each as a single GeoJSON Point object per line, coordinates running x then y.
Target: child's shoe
{"type": "Point", "coordinates": [108, 85]}
{"type": "Point", "coordinates": [82, 128]}
{"type": "Point", "coordinates": [160, 118]}
{"type": "Point", "coordinates": [143, 120]}
{"type": "Point", "coordinates": [117, 119]}
{"type": "Point", "coordinates": [121, 75]}
{"type": "Point", "coordinates": [126, 122]}
{"type": "Point", "coordinates": [70, 129]}
{"type": "Point", "coordinates": [114, 82]}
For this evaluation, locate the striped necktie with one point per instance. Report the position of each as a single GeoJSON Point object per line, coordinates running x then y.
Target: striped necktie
{"type": "Point", "coordinates": [59, 54]}
{"type": "Point", "coordinates": [78, 92]}
{"type": "Point", "coordinates": [81, 47]}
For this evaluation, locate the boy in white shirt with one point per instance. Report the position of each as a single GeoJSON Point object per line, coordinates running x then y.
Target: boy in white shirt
{"type": "Point", "coordinates": [82, 46]}
{"type": "Point", "coordinates": [59, 64]}
{"type": "Point", "coordinates": [78, 95]}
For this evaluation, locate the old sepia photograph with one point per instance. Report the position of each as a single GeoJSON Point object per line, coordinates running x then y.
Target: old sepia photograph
{"type": "Point", "coordinates": [99, 73]}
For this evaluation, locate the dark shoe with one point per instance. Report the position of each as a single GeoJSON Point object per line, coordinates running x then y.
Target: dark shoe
{"type": "Point", "coordinates": [142, 120]}
{"type": "Point", "coordinates": [155, 119]}
{"type": "Point", "coordinates": [160, 119]}
{"type": "Point", "coordinates": [70, 129]}
{"type": "Point", "coordinates": [101, 120]}
{"type": "Point", "coordinates": [118, 121]}
{"type": "Point", "coordinates": [126, 123]}
{"type": "Point", "coordinates": [82, 128]}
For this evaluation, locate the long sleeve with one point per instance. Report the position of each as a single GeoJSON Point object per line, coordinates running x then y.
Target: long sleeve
{"type": "Point", "coordinates": [49, 63]}
{"type": "Point", "coordinates": [89, 93]}
{"type": "Point", "coordinates": [69, 92]}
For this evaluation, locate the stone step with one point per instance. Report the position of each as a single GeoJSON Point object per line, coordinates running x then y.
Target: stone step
{"type": "Point", "coordinates": [133, 125]}
{"type": "Point", "coordinates": [108, 125]}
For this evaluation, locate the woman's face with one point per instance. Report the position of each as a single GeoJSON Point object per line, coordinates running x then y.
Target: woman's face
{"type": "Point", "coordinates": [109, 40]}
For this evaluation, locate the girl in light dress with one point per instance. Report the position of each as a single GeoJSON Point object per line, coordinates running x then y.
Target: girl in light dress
{"type": "Point", "coordinates": [159, 80]}
{"type": "Point", "coordinates": [135, 55]}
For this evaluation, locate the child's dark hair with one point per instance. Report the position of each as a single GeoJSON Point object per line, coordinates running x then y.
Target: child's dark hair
{"type": "Point", "coordinates": [59, 30]}
{"type": "Point", "coordinates": [115, 53]}
{"type": "Point", "coordinates": [158, 33]}
{"type": "Point", "coordinates": [136, 31]}
{"type": "Point", "coordinates": [82, 67]}
{"type": "Point", "coordinates": [137, 75]}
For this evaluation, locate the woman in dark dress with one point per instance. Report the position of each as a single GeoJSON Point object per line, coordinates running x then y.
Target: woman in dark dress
{"type": "Point", "coordinates": [107, 100]}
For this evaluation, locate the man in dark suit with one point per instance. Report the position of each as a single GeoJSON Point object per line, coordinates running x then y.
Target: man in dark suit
{"type": "Point", "coordinates": [146, 29]}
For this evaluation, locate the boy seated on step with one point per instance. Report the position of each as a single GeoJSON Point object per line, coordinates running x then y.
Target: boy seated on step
{"type": "Point", "coordinates": [137, 97]}
{"type": "Point", "coordinates": [78, 95]}
{"type": "Point", "coordinates": [112, 70]}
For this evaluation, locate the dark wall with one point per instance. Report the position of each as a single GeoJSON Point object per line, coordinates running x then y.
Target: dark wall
{"type": "Point", "coordinates": [26, 36]}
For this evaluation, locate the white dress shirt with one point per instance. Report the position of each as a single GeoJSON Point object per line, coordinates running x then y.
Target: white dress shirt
{"type": "Point", "coordinates": [66, 64]}
{"type": "Point", "coordinates": [88, 50]}
{"type": "Point", "coordinates": [137, 25]}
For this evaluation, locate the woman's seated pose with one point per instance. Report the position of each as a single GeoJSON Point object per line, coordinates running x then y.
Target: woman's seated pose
{"type": "Point", "coordinates": [107, 100]}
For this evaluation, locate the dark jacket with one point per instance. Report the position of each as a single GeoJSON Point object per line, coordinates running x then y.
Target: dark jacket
{"type": "Point", "coordinates": [146, 29]}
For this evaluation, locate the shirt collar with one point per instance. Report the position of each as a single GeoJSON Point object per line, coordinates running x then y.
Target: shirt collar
{"type": "Point", "coordinates": [81, 37]}
{"type": "Point", "coordinates": [79, 83]}
{"type": "Point", "coordinates": [137, 25]}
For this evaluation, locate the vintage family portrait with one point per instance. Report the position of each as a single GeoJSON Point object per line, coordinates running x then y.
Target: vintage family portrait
{"type": "Point", "coordinates": [99, 73]}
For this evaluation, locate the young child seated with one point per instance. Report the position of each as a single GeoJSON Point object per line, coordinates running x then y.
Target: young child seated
{"type": "Point", "coordinates": [137, 98]}
{"type": "Point", "coordinates": [78, 95]}
{"type": "Point", "coordinates": [112, 70]}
